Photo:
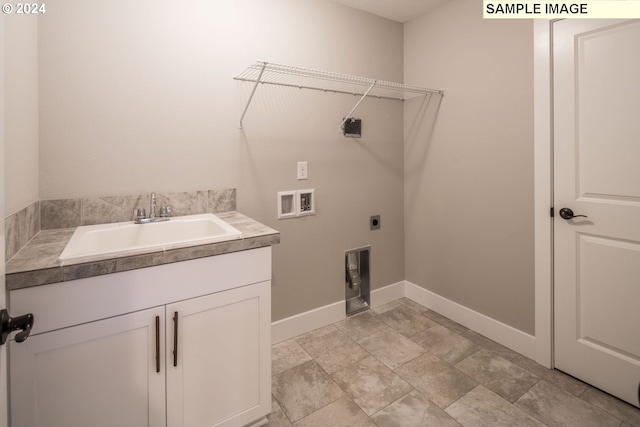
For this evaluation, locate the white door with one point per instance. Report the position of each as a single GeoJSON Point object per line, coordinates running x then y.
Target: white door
{"type": "Point", "coordinates": [105, 373]}
{"type": "Point", "coordinates": [221, 372]}
{"type": "Point", "coordinates": [597, 174]}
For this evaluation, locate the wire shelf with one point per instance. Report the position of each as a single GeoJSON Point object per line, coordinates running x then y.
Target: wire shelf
{"type": "Point", "coordinates": [303, 78]}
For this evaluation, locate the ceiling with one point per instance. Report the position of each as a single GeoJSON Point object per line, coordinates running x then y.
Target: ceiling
{"type": "Point", "coordinates": [396, 10]}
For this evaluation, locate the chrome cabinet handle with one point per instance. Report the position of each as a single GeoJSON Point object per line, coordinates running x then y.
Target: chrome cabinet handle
{"type": "Point", "coordinates": [567, 213]}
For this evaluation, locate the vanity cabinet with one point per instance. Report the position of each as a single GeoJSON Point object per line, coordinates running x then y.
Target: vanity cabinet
{"type": "Point", "coordinates": [217, 373]}
{"type": "Point", "coordinates": [184, 344]}
{"type": "Point", "coordinates": [97, 374]}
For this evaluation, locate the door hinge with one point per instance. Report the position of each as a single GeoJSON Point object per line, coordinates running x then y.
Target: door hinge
{"type": "Point", "coordinates": [551, 212]}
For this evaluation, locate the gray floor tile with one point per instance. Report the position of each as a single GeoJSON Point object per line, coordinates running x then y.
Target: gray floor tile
{"type": "Point", "coordinates": [556, 407]}
{"type": "Point", "coordinates": [413, 410]}
{"type": "Point", "coordinates": [371, 384]}
{"type": "Point", "coordinates": [360, 325]}
{"type": "Point", "coordinates": [414, 305]}
{"type": "Point", "coordinates": [481, 407]}
{"type": "Point", "coordinates": [391, 348]}
{"type": "Point", "coordinates": [304, 389]}
{"type": "Point", "coordinates": [405, 320]}
{"type": "Point", "coordinates": [285, 355]}
{"type": "Point", "coordinates": [445, 375]}
{"type": "Point", "coordinates": [446, 344]}
{"type": "Point", "coordinates": [435, 379]}
{"type": "Point", "coordinates": [624, 411]}
{"type": "Point", "coordinates": [498, 374]}
{"type": "Point", "coordinates": [315, 334]}
{"type": "Point", "coordinates": [334, 351]}
{"type": "Point", "coordinates": [390, 306]}
{"type": "Point", "coordinates": [342, 412]}
{"type": "Point", "coordinates": [402, 302]}
{"type": "Point", "coordinates": [448, 323]}
{"type": "Point", "coordinates": [490, 345]}
{"type": "Point", "coordinates": [562, 380]}
{"type": "Point", "coordinates": [277, 418]}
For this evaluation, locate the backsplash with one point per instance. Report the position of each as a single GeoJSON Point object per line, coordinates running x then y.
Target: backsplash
{"type": "Point", "coordinates": [21, 227]}
{"type": "Point", "coordinates": [67, 213]}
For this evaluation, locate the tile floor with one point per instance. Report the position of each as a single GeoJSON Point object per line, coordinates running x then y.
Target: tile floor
{"type": "Point", "coordinates": [405, 365]}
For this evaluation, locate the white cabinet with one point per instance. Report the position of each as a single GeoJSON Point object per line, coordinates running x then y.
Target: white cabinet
{"type": "Point", "coordinates": [97, 374]}
{"type": "Point", "coordinates": [199, 359]}
{"type": "Point", "coordinates": [219, 374]}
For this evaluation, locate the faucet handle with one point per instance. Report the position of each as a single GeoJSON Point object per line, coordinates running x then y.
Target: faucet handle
{"type": "Point", "coordinates": [165, 211]}
{"type": "Point", "coordinates": [140, 213]}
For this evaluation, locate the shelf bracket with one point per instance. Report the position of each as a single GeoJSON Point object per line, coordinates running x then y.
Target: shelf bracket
{"type": "Point", "coordinates": [341, 127]}
{"type": "Point", "coordinates": [255, 86]}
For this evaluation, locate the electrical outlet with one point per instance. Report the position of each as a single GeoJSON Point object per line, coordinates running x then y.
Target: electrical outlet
{"type": "Point", "coordinates": [374, 222]}
{"type": "Point", "coordinates": [303, 170]}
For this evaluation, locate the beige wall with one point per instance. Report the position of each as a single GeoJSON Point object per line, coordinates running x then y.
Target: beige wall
{"type": "Point", "coordinates": [469, 180]}
{"type": "Point", "coordinates": [139, 97]}
{"type": "Point", "coordinates": [21, 113]}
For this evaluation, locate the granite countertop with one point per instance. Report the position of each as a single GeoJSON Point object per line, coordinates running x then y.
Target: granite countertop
{"type": "Point", "coordinates": [37, 263]}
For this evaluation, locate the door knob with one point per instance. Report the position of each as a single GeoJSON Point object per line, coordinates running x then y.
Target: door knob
{"type": "Point", "coordinates": [9, 324]}
{"type": "Point", "coordinates": [567, 213]}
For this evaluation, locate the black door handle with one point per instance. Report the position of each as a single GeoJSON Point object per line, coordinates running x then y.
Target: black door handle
{"type": "Point", "coordinates": [9, 324]}
{"type": "Point", "coordinates": [175, 338]}
{"type": "Point", "coordinates": [567, 213]}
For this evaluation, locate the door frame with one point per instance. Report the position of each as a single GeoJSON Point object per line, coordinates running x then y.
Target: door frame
{"type": "Point", "coordinates": [543, 189]}
{"type": "Point", "coordinates": [4, 392]}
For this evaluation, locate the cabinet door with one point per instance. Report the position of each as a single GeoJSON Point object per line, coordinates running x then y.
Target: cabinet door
{"type": "Point", "coordinates": [97, 374]}
{"type": "Point", "coordinates": [221, 373]}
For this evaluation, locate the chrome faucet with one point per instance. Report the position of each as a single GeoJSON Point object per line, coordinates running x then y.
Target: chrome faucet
{"type": "Point", "coordinates": [152, 205]}
{"type": "Point", "coordinates": [141, 215]}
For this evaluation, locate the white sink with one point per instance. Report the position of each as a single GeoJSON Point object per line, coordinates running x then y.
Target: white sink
{"type": "Point", "coordinates": [124, 238]}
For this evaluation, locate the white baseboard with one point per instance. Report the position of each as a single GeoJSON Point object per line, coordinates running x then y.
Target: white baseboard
{"type": "Point", "coordinates": [299, 324]}
{"type": "Point", "coordinates": [495, 330]}
{"type": "Point", "coordinates": [387, 294]}
{"type": "Point", "coordinates": [499, 332]}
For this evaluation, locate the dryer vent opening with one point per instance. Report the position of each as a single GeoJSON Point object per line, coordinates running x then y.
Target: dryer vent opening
{"type": "Point", "coordinates": [357, 288]}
